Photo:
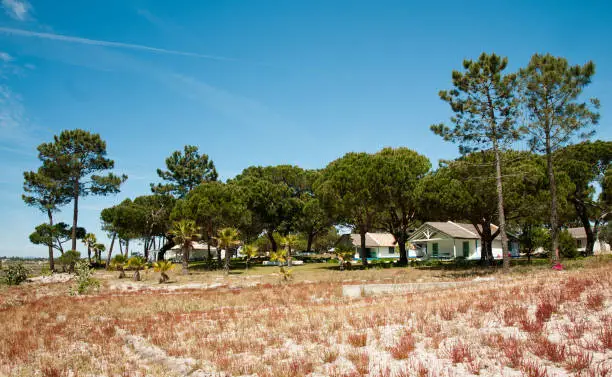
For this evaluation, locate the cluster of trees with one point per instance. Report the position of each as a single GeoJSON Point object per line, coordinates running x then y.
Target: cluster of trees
{"type": "Point", "coordinates": [556, 184]}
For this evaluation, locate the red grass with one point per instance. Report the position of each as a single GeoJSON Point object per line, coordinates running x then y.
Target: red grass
{"type": "Point", "coordinates": [404, 347]}
{"type": "Point", "coordinates": [460, 352]}
{"type": "Point", "coordinates": [330, 355]}
{"type": "Point", "coordinates": [545, 310]}
{"type": "Point", "coordinates": [514, 314]}
{"type": "Point", "coordinates": [595, 301]}
{"type": "Point", "coordinates": [358, 340]}
{"type": "Point", "coordinates": [579, 361]}
{"type": "Point", "coordinates": [532, 369]}
{"type": "Point", "coordinates": [361, 361]}
{"type": "Point", "coordinates": [545, 348]}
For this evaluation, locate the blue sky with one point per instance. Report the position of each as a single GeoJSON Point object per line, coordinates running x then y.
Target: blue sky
{"type": "Point", "coordinates": [254, 82]}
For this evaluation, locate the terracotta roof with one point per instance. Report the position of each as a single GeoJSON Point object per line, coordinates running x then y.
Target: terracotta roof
{"type": "Point", "coordinates": [375, 240]}
{"type": "Point", "coordinates": [577, 232]}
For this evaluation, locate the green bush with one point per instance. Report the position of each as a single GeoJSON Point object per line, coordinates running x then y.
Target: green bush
{"type": "Point", "coordinates": [69, 259]}
{"type": "Point", "coordinates": [85, 282]}
{"type": "Point", "coordinates": [16, 274]}
{"type": "Point", "coordinates": [567, 245]}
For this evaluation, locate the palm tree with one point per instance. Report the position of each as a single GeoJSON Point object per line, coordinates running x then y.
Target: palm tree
{"type": "Point", "coordinates": [98, 249]}
{"type": "Point", "coordinates": [89, 240]}
{"type": "Point", "coordinates": [227, 238]}
{"type": "Point", "coordinates": [185, 232]}
{"type": "Point", "coordinates": [280, 256]}
{"type": "Point", "coordinates": [137, 263]}
{"type": "Point", "coordinates": [290, 242]}
{"type": "Point", "coordinates": [118, 263]}
{"type": "Point", "coordinates": [250, 251]}
{"type": "Point", "coordinates": [162, 267]}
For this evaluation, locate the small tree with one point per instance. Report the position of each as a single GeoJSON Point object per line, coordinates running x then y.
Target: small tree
{"type": "Point", "coordinates": [69, 258]}
{"type": "Point", "coordinates": [137, 263]}
{"type": "Point", "coordinates": [163, 267]}
{"type": "Point", "coordinates": [345, 254]}
{"type": "Point", "coordinates": [250, 252]}
{"type": "Point", "coordinates": [227, 238]}
{"type": "Point", "coordinates": [290, 242]}
{"type": "Point", "coordinates": [118, 263]}
{"type": "Point", "coordinates": [184, 233]}
{"type": "Point", "coordinates": [280, 256]}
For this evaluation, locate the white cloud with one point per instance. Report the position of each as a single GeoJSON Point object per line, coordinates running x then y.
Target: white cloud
{"type": "Point", "coordinates": [5, 57]}
{"type": "Point", "coordinates": [18, 9]}
{"type": "Point", "coordinates": [97, 42]}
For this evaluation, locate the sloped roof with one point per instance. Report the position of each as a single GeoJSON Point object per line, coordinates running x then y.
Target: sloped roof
{"type": "Point", "coordinates": [196, 246]}
{"type": "Point", "coordinates": [577, 232]}
{"type": "Point", "coordinates": [375, 240]}
{"type": "Point", "coordinates": [455, 230]}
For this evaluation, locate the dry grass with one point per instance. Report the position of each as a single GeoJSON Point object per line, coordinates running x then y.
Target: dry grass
{"type": "Point", "coordinates": [540, 324]}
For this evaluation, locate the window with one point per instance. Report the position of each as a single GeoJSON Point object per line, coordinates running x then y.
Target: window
{"type": "Point", "coordinates": [391, 250]}
{"type": "Point", "coordinates": [434, 249]}
{"type": "Point", "coordinates": [579, 243]}
{"type": "Point", "coordinates": [466, 249]}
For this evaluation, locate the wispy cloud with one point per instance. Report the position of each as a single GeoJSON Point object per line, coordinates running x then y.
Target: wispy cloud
{"type": "Point", "coordinates": [5, 57]}
{"type": "Point", "coordinates": [17, 9]}
{"type": "Point", "coordinates": [97, 42]}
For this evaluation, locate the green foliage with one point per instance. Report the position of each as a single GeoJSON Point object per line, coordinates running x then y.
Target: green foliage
{"type": "Point", "coordinates": [212, 205]}
{"type": "Point", "coordinates": [54, 235]}
{"type": "Point", "coordinates": [184, 232]}
{"type": "Point", "coordinates": [16, 274]}
{"type": "Point", "coordinates": [345, 254]}
{"type": "Point", "coordinates": [163, 267]}
{"type": "Point", "coordinates": [348, 191]}
{"type": "Point", "coordinates": [77, 156]}
{"type": "Point", "coordinates": [69, 259]}
{"type": "Point", "coordinates": [250, 251]}
{"type": "Point", "coordinates": [550, 90]}
{"type": "Point", "coordinates": [185, 171]}
{"type": "Point", "coordinates": [85, 282]}
{"type": "Point", "coordinates": [119, 263]}
{"type": "Point", "coordinates": [136, 263]}
{"type": "Point", "coordinates": [398, 172]}
{"type": "Point", "coordinates": [567, 245]}
{"type": "Point", "coordinates": [484, 105]}
{"type": "Point", "coordinates": [605, 234]}
{"type": "Point", "coordinates": [227, 239]}
{"type": "Point", "coordinates": [271, 194]}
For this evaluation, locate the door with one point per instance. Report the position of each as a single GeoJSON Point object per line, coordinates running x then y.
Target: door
{"type": "Point", "coordinates": [435, 250]}
{"type": "Point", "coordinates": [466, 249]}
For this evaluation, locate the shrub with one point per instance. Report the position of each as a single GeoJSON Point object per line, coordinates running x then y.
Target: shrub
{"type": "Point", "coordinates": [404, 347]}
{"type": "Point", "coordinates": [16, 274]}
{"type": "Point", "coordinates": [85, 282]}
{"type": "Point", "coordinates": [69, 259]}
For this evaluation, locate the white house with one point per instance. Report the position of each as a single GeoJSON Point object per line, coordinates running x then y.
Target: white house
{"type": "Point", "coordinates": [579, 234]}
{"type": "Point", "coordinates": [199, 252]}
{"type": "Point", "coordinates": [379, 245]}
{"type": "Point", "coordinates": [447, 240]}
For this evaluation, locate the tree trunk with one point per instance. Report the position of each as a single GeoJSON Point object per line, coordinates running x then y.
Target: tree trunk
{"type": "Point", "coordinates": [554, 226]}
{"type": "Point", "coordinates": [75, 214]}
{"type": "Point", "coordinates": [309, 242]}
{"type": "Point", "coordinates": [110, 251]}
{"type": "Point", "coordinates": [362, 253]}
{"type": "Point", "coordinates": [51, 260]}
{"type": "Point", "coordinates": [500, 210]}
{"type": "Point", "coordinates": [272, 241]}
{"type": "Point", "coordinates": [127, 247]}
{"type": "Point", "coordinates": [486, 247]}
{"type": "Point", "coordinates": [401, 243]}
{"type": "Point", "coordinates": [586, 223]}
{"type": "Point", "coordinates": [88, 253]}
{"type": "Point", "coordinates": [167, 246]}
{"type": "Point", "coordinates": [185, 261]}
{"type": "Point", "coordinates": [288, 256]}
{"type": "Point", "coordinates": [227, 260]}
{"type": "Point", "coordinates": [136, 276]}
{"type": "Point", "coordinates": [209, 252]}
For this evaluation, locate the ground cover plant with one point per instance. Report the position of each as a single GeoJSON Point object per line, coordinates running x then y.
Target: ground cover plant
{"type": "Point", "coordinates": [544, 323]}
